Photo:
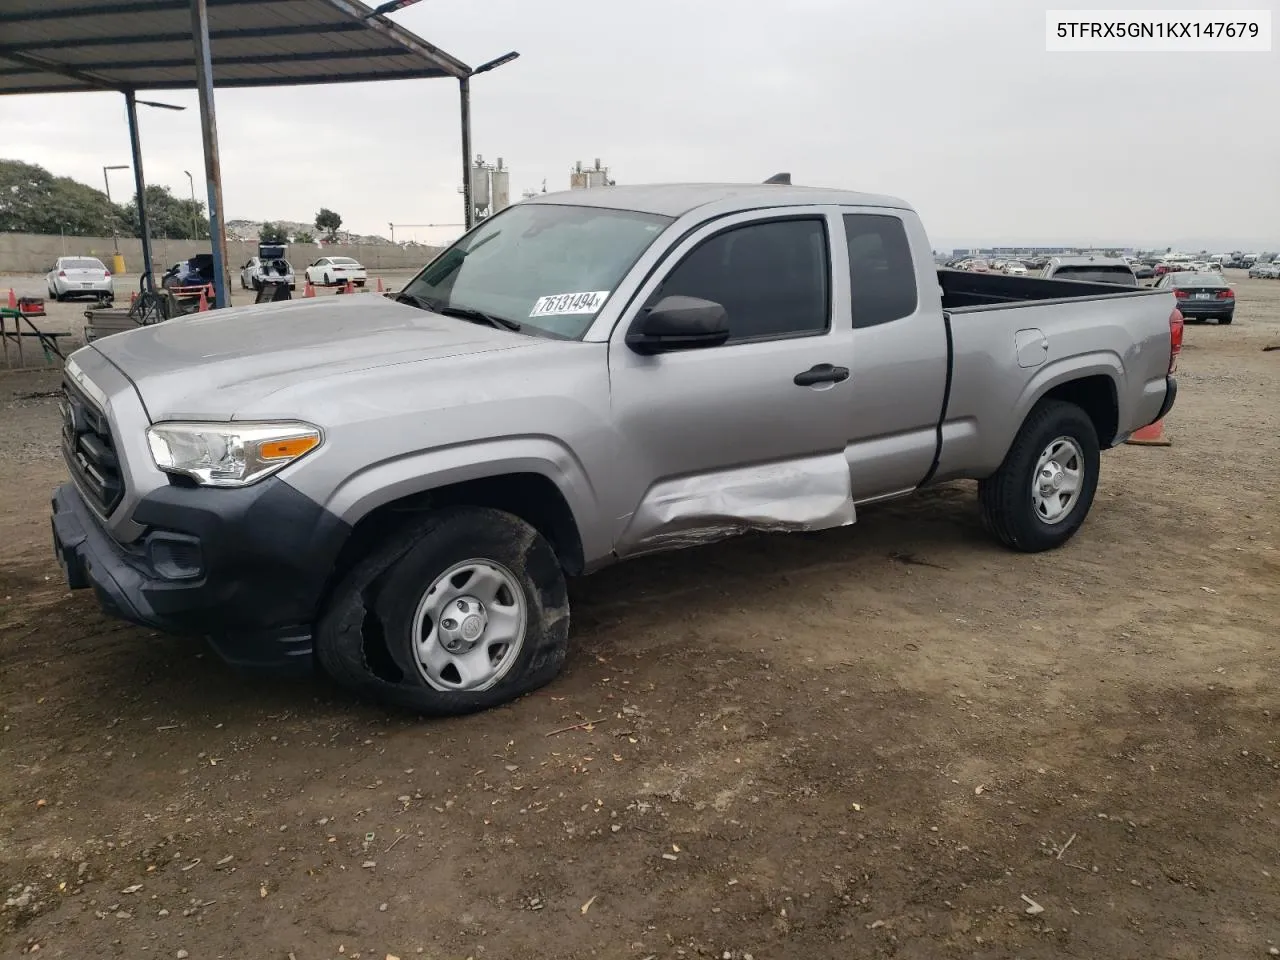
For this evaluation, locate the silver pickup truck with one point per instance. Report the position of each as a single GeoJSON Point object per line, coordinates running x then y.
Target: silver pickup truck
{"type": "Point", "coordinates": [396, 488]}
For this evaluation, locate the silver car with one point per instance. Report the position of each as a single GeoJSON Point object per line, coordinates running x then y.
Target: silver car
{"type": "Point", "coordinates": [80, 277]}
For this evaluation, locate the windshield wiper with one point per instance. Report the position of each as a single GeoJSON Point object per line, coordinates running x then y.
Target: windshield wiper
{"type": "Point", "coordinates": [421, 302]}
{"type": "Point", "coordinates": [462, 313]}
{"type": "Point", "coordinates": [467, 313]}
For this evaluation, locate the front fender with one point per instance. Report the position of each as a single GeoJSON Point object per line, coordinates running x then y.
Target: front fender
{"type": "Point", "coordinates": [425, 470]}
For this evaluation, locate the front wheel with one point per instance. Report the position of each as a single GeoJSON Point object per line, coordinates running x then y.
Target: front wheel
{"type": "Point", "coordinates": [1041, 494]}
{"type": "Point", "coordinates": [327, 281]}
{"type": "Point", "coordinates": [464, 611]}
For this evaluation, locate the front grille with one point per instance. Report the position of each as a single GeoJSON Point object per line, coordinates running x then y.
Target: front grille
{"type": "Point", "coordinates": [89, 450]}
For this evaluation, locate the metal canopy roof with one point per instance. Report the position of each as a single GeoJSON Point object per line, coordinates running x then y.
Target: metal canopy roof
{"type": "Point", "coordinates": [64, 46]}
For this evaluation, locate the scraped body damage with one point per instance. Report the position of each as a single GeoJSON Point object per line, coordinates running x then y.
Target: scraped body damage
{"type": "Point", "coordinates": [813, 493]}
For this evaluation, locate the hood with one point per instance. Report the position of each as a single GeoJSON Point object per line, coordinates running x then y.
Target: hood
{"type": "Point", "coordinates": [210, 365]}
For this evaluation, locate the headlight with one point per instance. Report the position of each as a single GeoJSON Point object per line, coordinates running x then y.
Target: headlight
{"type": "Point", "coordinates": [229, 454]}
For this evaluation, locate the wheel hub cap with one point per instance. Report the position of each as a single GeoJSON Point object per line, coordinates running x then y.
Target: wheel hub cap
{"type": "Point", "coordinates": [463, 624]}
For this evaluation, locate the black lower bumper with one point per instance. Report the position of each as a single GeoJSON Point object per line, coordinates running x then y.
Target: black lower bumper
{"type": "Point", "coordinates": [245, 569]}
{"type": "Point", "coordinates": [1205, 311]}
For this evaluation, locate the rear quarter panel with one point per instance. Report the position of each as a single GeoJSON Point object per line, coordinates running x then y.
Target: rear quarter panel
{"type": "Point", "coordinates": [1123, 337]}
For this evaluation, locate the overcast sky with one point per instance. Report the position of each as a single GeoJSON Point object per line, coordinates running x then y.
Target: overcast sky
{"type": "Point", "coordinates": [955, 107]}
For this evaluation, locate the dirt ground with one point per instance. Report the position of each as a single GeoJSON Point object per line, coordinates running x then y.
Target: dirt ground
{"type": "Point", "coordinates": [881, 741]}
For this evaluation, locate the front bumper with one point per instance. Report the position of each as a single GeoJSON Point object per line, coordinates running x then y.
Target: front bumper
{"type": "Point", "coordinates": [246, 571]}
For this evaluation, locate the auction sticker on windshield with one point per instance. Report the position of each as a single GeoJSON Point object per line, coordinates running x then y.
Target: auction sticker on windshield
{"type": "Point", "coordinates": [562, 304]}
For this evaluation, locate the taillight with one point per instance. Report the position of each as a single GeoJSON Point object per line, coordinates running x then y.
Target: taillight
{"type": "Point", "coordinates": [1180, 294]}
{"type": "Point", "coordinates": [1175, 338]}
{"type": "Point", "coordinates": [1226, 295]}
{"type": "Point", "coordinates": [62, 273]}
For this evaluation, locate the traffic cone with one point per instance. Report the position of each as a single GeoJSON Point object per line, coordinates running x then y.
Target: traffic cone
{"type": "Point", "coordinates": [13, 299]}
{"type": "Point", "coordinates": [204, 302]}
{"type": "Point", "coordinates": [349, 288]}
{"type": "Point", "coordinates": [380, 289]}
{"type": "Point", "coordinates": [133, 299]}
{"type": "Point", "coordinates": [308, 289]}
{"type": "Point", "coordinates": [1150, 436]}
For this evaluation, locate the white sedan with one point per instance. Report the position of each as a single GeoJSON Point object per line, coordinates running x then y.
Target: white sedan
{"type": "Point", "coordinates": [80, 277]}
{"type": "Point", "coordinates": [1015, 269]}
{"type": "Point", "coordinates": [330, 271]}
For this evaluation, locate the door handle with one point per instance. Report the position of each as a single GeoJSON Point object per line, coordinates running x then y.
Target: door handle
{"type": "Point", "coordinates": [821, 373]}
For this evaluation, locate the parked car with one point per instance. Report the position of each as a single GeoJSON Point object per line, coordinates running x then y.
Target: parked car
{"type": "Point", "coordinates": [1271, 271]}
{"type": "Point", "coordinates": [1143, 271]}
{"type": "Point", "coordinates": [400, 498]}
{"type": "Point", "coordinates": [1014, 268]}
{"type": "Point", "coordinates": [194, 272]}
{"type": "Point", "coordinates": [1093, 269]}
{"type": "Point", "coordinates": [80, 277]}
{"type": "Point", "coordinates": [1260, 269]}
{"type": "Point", "coordinates": [330, 271]}
{"type": "Point", "coordinates": [258, 271]}
{"type": "Point", "coordinates": [1202, 295]}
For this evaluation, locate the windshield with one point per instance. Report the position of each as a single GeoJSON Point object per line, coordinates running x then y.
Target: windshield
{"type": "Point", "coordinates": [1195, 280]}
{"type": "Point", "coordinates": [83, 264]}
{"type": "Point", "coordinates": [342, 260]}
{"type": "Point", "coordinates": [545, 266]}
{"type": "Point", "coordinates": [1096, 274]}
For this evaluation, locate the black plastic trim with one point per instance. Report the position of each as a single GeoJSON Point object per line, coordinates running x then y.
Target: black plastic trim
{"type": "Point", "coordinates": [266, 553]}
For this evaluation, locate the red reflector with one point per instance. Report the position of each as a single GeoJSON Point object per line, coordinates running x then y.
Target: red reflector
{"type": "Point", "coordinates": [1176, 324]}
{"type": "Point", "coordinates": [62, 273]}
{"type": "Point", "coordinates": [1180, 294]}
{"type": "Point", "coordinates": [1226, 295]}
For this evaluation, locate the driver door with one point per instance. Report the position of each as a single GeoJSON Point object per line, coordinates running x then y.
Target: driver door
{"type": "Point", "coordinates": [719, 440]}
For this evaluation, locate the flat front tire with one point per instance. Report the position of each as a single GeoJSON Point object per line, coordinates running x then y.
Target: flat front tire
{"type": "Point", "coordinates": [1042, 492]}
{"type": "Point", "coordinates": [464, 610]}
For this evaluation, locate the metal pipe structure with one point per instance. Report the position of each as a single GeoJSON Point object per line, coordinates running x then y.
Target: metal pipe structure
{"type": "Point", "coordinates": [212, 163]}
{"type": "Point", "coordinates": [140, 185]}
{"type": "Point", "coordinates": [115, 235]}
{"type": "Point", "coordinates": [468, 211]}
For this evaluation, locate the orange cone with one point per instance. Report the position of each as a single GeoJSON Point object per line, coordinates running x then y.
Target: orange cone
{"type": "Point", "coordinates": [380, 288]}
{"type": "Point", "coordinates": [349, 288]}
{"type": "Point", "coordinates": [13, 299]}
{"type": "Point", "coordinates": [133, 298]}
{"type": "Point", "coordinates": [308, 289]}
{"type": "Point", "coordinates": [204, 301]}
{"type": "Point", "coordinates": [1150, 436]}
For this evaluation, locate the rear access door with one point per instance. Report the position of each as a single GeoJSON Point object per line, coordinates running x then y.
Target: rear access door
{"type": "Point", "coordinates": [900, 355]}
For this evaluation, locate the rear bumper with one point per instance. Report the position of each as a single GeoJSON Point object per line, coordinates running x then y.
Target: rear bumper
{"type": "Point", "coordinates": [99, 288]}
{"type": "Point", "coordinates": [247, 572]}
{"type": "Point", "coordinates": [1206, 308]}
{"type": "Point", "coordinates": [1170, 395]}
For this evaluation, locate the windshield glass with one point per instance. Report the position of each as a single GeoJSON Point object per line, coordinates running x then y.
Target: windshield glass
{"type": "Point", "coordinates": [545, 266]}
{"type": "Point", "coordinates": [1121, 275]}
{"type": "Point", "coordinates": [1196, 280]}
{"type": "Point", "coordinates": [342, 260]}
{"type": "Point", "coordinates": [83, 264]}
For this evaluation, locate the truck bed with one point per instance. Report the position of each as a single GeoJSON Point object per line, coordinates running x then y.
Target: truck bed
{"type": "Point", "coordinates": [963, 291]}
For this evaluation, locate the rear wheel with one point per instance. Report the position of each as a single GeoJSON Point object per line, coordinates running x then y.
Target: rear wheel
{"type": "Point", "coordinates": [1042, 492]}
{"type": "Point", "coordinates": [1227, 319]}
{"type": "Point", "coordinates": [464, 611]}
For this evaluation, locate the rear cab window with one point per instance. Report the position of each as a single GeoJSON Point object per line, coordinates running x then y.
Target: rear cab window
{"type": "Point", "coordinates": [882, 274]}
{"type": "Point", "coordinates": [1102, 274]}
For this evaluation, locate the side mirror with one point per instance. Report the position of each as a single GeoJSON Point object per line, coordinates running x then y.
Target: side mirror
{"type": "Point", "coordinates": [678, 323]}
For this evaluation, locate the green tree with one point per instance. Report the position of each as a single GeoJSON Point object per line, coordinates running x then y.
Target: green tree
{"type": "Point", "coordinates": [169, 216]}
{"type": "Point", "coordinates": [32, 200]}
{"type": "Point", "coordinates": [272, 233]}
{"type": "Point", "coordinates": [329, 222]}
{"type": "Point", "coordinates": [304, 236]}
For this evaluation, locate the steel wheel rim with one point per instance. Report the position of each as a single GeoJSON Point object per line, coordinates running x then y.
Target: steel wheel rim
{"type": "Point", "coordinates": [1058, 480]}
{"type": "Point", "coordinates": [468, 629]}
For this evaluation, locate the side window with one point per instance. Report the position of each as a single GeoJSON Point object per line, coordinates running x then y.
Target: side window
{"type": "Point", "coordinates": [772, 278]}
{"type": "Point", "coordinates": [882, 275]}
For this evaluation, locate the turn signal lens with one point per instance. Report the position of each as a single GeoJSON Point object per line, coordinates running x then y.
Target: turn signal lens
{"type": "Point", "coordinates": [287, 449]}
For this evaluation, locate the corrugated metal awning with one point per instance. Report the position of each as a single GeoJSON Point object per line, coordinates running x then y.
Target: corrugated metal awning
{"type": "Point", "coordinates": [63, 46]}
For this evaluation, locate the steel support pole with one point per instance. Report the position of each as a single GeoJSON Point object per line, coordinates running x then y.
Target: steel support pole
{"type": "Point", "coordinates": [140, 185]}
{"type": "Point", "coordinates": [212, 164]}
{"type": "Point", "coordinates": [468, 208]}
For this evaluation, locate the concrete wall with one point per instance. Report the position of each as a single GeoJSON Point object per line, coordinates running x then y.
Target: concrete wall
{"type": "Point", "coordinates": [33, 253]}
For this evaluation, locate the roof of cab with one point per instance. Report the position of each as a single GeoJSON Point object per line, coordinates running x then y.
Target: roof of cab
{"type": "Point", "coordinates": [677, 199]}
